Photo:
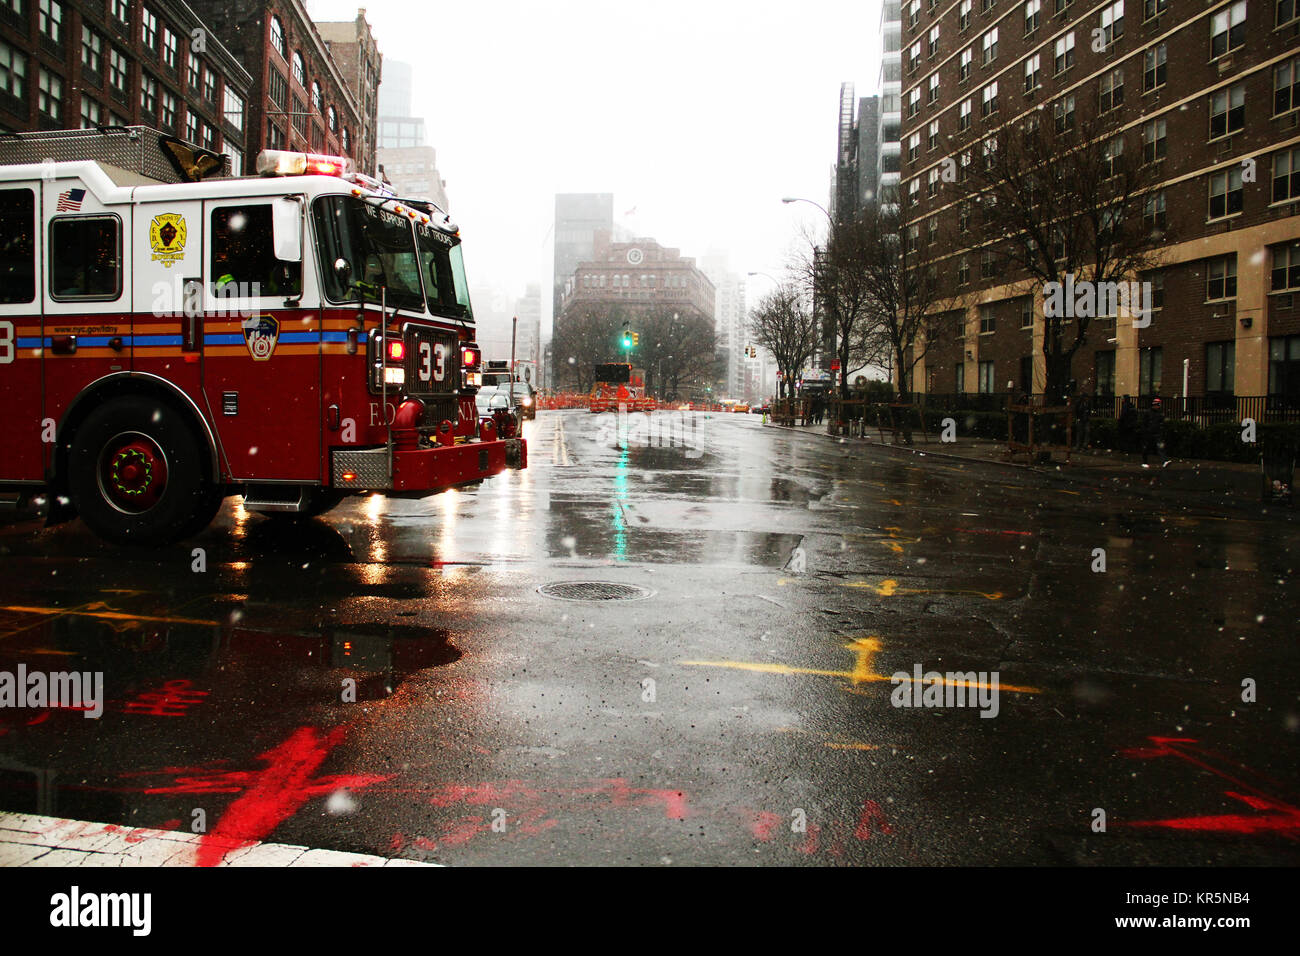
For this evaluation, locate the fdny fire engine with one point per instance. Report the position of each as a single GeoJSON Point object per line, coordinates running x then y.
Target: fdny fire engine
{"type": "Point", "coordinates": [168, 339]}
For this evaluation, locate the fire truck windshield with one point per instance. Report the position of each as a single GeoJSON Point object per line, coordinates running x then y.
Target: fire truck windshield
{"type": "Point", "coordinates": [377, 245]}
{"type": "Point", "coordinates": [443, 269]}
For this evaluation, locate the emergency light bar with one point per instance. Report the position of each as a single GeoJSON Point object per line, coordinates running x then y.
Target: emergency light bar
{"type": "Point", "coordinates": [280, 162]}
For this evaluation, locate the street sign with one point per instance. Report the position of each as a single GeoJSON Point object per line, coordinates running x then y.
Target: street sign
{"type": "Point", "coordinates": [835, 365]}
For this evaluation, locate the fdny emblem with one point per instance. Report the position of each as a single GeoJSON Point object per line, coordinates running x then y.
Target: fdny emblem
{"type": "Point", "coordinates": [261, 332]}
{"type": "Point", "coordinates": [167, 236]}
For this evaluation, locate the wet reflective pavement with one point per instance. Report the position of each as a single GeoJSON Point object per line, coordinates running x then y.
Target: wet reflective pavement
{"type": "Point", "coordinates": [389, 679]}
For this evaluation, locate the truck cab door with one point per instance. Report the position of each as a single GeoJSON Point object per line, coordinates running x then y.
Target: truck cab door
{"type": "Point", "coordinates": [261, 340]}
{"type": "Point", "coordinates": [20, 334]}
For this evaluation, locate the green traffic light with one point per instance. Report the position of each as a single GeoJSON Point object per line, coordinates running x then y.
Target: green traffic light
{"type": "Point", "coordinates": [627, 343]}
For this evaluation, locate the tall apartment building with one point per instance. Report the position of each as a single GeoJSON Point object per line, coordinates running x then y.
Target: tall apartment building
{"type": "Point", "coordinates": [299, 99]}
{"type": "Point", "coordinates": [66, 64]}
{"type": "Point", "coordinates": [891, 87]}
{"type": "Point", "coordinates": [1208, 94]}
{"type": "Point", "coordinates": [730, 323]}
{"type": "Point", "coordinates": [578, 219]}
{"type": "Point", "coordinates": [528, 336]}
{"type": "Point", "coordinates": [352, 47]}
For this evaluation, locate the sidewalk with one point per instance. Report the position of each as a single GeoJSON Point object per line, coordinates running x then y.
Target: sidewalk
{"type": "Point", "coordinates": [1209, 482]}
{"type": "Point", "coordinates": [28, 840]}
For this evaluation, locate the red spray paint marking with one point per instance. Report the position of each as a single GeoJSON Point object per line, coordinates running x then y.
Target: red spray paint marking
{"type": "Point", "coordinates": [763, 823]}
{"type": "Point", "coordinates": [871, 813]}
{"type": "Point", "coordinates": [270, 796]}
{"type": "Point", "coordinates": [1279, 816]}
{"type": "Point", "coordinates": [500, 793]}
{"type": "Point", "coordinates": [812, 841]}
{"type": "Point", "coordinates": [173, 699]}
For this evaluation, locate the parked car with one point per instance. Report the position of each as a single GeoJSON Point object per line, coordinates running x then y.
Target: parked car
{"type": "Point", "coordinates": [525, 398]}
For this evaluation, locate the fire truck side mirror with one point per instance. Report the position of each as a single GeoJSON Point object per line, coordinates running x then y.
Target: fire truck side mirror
{"type": "Point", "coordinates": [286, 224]}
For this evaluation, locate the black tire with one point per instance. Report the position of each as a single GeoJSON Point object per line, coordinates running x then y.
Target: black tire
{"type": "Point", "coordinates": [139, 475]}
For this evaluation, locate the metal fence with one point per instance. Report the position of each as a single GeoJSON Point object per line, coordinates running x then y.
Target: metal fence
{"type": "Point", "coordinates": [1202, 410]}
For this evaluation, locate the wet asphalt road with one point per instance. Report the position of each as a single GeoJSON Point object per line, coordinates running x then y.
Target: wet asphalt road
{"type": "Point", "coordinates": [739, 712]}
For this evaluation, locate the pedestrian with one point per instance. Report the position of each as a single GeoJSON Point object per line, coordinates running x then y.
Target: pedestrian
{"type": "Point", "coordinates": [1082, 419]}
{"type": "Point", "coordinates": [1152, 427]}
{"type": "Point", "coordinates": [1128, 421]}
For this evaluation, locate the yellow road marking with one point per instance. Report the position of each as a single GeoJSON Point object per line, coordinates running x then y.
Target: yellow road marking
{"type": "Point", "coordinates": [864, 650]}
{"type": "Point", "coordinates": [85, 611]}
{"type": "Point", "coordinates": [889, 588]}
{"type": "Point", "coordinates": [853, 746]}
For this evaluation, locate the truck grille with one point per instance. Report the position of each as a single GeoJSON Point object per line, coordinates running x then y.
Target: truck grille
{"type": "Point", "coordinates": [422, 366]}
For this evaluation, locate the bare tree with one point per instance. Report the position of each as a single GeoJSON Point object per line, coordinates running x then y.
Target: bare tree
{"type": "Point", "coordinates": [1062, 195]}
{"type": "Point", "coordinates": [782, 324]}
{"type": "Point", "coordinates": [833, 274]}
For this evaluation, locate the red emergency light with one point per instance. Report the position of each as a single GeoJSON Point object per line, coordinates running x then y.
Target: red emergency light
{"type": "Point", "coordinates": [396, 351]}
{"type": "Point", "coordinates": [469, 358]}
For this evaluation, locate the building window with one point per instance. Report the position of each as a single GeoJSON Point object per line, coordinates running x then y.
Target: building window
{"type": "Point", "coordinates": [276, 87]}
{"type": "Point", "coordinates": [148, 94]}
{"type": "Point", "coordinates": [51, 20]}
{"type": "Point", "coordinates": [986, 378]}
{"type": "Point", "coordinates": [932, 46]}
{"type": "Point", "coordinates": [1227, 29]}
{"type": "Point", "coordinates": [989, 100]}
{"type": "Point", "coordinates": [236, 159]}
{"type": "Point", "coordinates": [932, 94]}
{"type": "Point", "coordinates": [1111, 153]}
{"type": "Point", "coordinates": [117, 70]}
{"type": "Point", "coordinates": [194, 73]}
{"type": "Point", "coordinates": [75, 242]}
{"type": "Point", "coordinates": [50, 94]}
{"type": "Point", "coordinates": [92, 50]}
{"type": "Point", "coordinates": [913, 103]}
{"type": "Point", "coordinates": [963, 216]}
{"type": "Point", "coordinates": [316, 104]}
{"type": "Point", "coordinates": [1153, 141]}
{"type": "Point", "coordinates": [171, 50]}
{"type": "Point", "coordinates": [988, 266]}
{"type": "Point", "coordinates": [1033, 73]}
{"type": "Point", "coordinates": [963, 68]}
{"type": "Point", "coordinates": [277, 38]}
{"type": "Point", "coordinates": [1150, 367]}
{"type": "Point", "coordinates": [1157, 280]}
{"type": "Point", "coordinates": [1026, 311]}
{"type": "Point", "coordinates": [1221, 279]}
{"type": "Point", "coordinates": [1286, 268]}
{"type": "Point", "coordinates": [232, 108]}
{"type": "Point", "coordinates": [13, 69]}
{"type": "Point", "coordinates": [1286, 86]}
{"type": "Point", "coordinates": [193, 127]}
{"type": "Point", "coordinates": [347, 140]}
{"type": "Point", "coordinates": [1227, 111]}
{"type": "Point", "coordinates": [1225, 193]}
{"type": "Point", "coordinates": [122, 11]}
{"type": "Point", "coordinates": [963, 15]}
{"type": "Point", "coordinates": [332, 117]}
{"type": "Point", "coordinates": [149, 28]}
{"type": "Point", "coordinates": [1033, 10]}
{"type": "Point", "coordinates": [1112, 89]}
{"type": "Point", "coordinates": [986, 5]}
{"type": "Point", "coordinates": [1104, 364]}
{"type": "Point", "coordinates": [91, 114]}
{"type": "Point", "coordinates": [1153, 212]}
{"type": "Point", "coordinates": [1064, 53]}
{"type": "Point", "coordinates": [1220, 371]}
{"type": "Point", "coordinates": [1112, 22]}
{"type": "Point", "coordinates": [299, 70]}
{"type": "Point", "coordinates": [932, 184]}
{"type": "Point", "coordinates": [1153, 8]}
{"type": "Point", "coordinates": [300, 117]}
{"type": "Point", "coordinates": [210, 87]}
{"type": "Point", "coordinates": [963, 118]}
{"type": "Point", "coordinates": [274, 136]}
{"type": "Point", "coordinates": [990, 46]}
{"type": "Point", "coordinates": [167, 115]}
{"type": "Point", "coordinates": [913, 146]}
{"type": "Point", "coordinates": [1154, 68]}
{"type": "Point", "coordinates": [1286, 175]}
{"type": "Point", "coordinates": [913, 237]}
{"type": "Point", "coordinates": [914, 57]}
{"type": "Point", "coordinates": [1284, 367]}
{"type": "Point", "coordinates": [988, 320]}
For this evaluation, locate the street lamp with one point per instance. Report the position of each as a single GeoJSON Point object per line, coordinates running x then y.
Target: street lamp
{"type": "Point", "coordinates": [789, 199]}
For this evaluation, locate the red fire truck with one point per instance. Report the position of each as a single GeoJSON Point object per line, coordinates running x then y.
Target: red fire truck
{"type": "Point", "coordinates": [296, 336]}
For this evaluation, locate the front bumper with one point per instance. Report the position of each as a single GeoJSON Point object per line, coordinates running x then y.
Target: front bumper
{"type": "Point", "coordinates": [425, 469]}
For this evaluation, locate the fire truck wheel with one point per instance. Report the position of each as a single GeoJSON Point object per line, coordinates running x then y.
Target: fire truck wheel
{"type": "Point", "coordinates": [136, 473]}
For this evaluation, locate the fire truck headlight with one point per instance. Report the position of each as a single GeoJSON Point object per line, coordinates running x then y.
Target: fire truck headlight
{"type": "Point", "coordinates": [528, 401]}
{"type": "Point", "coordinates": [471, 379]}
{"type": "Point", "coordinates": [395, 376]}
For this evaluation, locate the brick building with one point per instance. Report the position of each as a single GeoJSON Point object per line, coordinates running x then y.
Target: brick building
{"type": "Point", "coordinates": [1209, 94]}
{"type": "Point", "coordinates": [66, 64]}
{"type": "Point", "coordinates": [638, 273]}
{"type": "Point", "coordinates": [353, 48]}
{"type": "Point", "coordinates": [299, 99]}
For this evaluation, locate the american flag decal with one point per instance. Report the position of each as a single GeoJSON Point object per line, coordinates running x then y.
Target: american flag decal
{"type": "Point", "coordinates": [70, 200]}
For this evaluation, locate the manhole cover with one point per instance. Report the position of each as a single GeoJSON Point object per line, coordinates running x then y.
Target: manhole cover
{"type": "Point", "coordinates": [594, 591]}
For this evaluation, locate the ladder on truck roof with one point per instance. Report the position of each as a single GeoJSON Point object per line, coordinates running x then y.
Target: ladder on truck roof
{"type": "Point", "coordinates": [137, 149]}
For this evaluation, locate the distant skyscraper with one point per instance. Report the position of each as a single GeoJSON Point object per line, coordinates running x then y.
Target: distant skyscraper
{"type": "Point", "coordinates": [729, 322]}
{"type": "Point", "coordinates": [528, 337]}
{"type": "Point", "coordinates": [891, 100]}
{"type": "Point", "coordinates": [578, 217]}
{"type": "Point", "coordinates": [405, 159]}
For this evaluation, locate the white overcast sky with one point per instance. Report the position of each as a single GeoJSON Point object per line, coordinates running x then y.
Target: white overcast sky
{"type": "Point", "coordinates": [698, 114]}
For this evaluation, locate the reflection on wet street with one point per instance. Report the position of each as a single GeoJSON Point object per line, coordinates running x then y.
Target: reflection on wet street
{"type": "Point", "coordinates": [388, 679]}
